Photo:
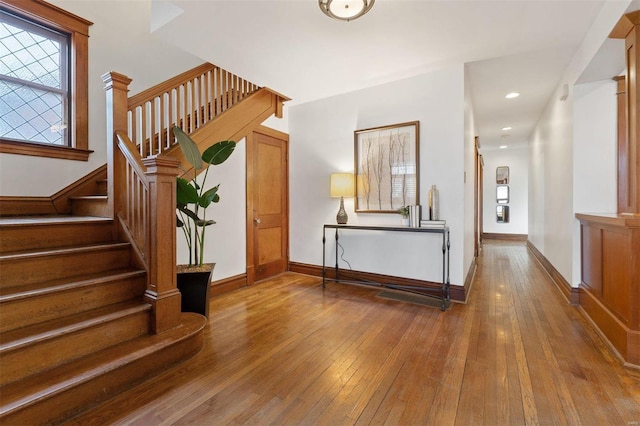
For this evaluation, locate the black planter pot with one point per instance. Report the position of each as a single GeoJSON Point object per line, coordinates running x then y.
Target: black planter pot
{"type": "Point", "coordinates": [194, 286]}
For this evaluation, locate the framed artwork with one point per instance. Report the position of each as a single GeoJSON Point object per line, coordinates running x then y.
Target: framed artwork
{"type": "Point", "coordinates": [386, 165]}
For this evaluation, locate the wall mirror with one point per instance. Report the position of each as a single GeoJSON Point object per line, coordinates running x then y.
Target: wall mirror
{"type": "Point", "coordinates": [502, 214]}
{"type": "Point", "coordinates": [502, 194]}
{"type": "Point", "coordinates": [502, 175]}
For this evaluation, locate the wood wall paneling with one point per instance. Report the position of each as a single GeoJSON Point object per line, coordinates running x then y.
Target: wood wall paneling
{"type": "Point", "coordinates": [592, 258]}
{"type": "Point", "coordinates": [622, 146]}
{"type": "Point", "coordinates": [616, 280]}
{"type": "Point", "coordinates": [610, 328]}
{"type": "Point", "coordinates": [633, 123]}
{"type": "Point", "coordinates": [611, 250]}
{"type": "Point", "coordinates": [629, 138]}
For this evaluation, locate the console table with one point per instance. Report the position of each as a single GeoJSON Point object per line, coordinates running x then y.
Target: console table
{"type": "Point", "coordinates": [446, 244]}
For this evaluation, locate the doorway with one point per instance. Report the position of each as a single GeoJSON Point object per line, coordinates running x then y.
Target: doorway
{"type": "Point", "coordinates": [267, 204]}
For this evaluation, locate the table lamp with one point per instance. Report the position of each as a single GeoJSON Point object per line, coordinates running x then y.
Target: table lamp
{"type": "Point", "coordinates": [342, 186]}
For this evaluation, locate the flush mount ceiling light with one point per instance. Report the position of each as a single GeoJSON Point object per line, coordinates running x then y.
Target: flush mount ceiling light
{"type": "Point", "coordinates": [512, 95]}
{"type": "Point", "coordinates": [504, 129]}
{"type": "Point", "coordinates": [345, 10]}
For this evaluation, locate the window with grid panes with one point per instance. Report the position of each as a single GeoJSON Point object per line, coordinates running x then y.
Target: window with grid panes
{"type": "Point", "coordinates": [43, 80]}
{"type": "Point", "coordinates": [34, 82]}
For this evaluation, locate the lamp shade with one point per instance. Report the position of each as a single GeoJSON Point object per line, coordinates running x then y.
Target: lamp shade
{"type": "Point", "coordinates": [342, 185]}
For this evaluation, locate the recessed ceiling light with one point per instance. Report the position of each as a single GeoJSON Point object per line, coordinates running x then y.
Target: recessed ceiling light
{"type": "Point", "coordinates": [504, 129]}
{"type": "Point", "coordinates": [512, 95]}
{"type": "Point", "coordinates": [503, 146]}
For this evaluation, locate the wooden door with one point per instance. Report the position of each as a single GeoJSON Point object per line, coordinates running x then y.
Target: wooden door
{"type": "Point", "coordinates": [477, 193]}
{"type": "Point", "coordinates": [267, 204]}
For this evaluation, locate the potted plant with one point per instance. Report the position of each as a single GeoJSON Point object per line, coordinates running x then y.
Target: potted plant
{"type": "Point", "coordinates": [192, 201]}
{"type": "Point", "coordinates": [404, 212]}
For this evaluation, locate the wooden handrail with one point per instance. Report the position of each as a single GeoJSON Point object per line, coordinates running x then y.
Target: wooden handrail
{"type": "Point", "coordinates": [157, 90]}
{"type": "Point", "coordinates": [129, 150]}
{"type": "Point", "coordinates": [189, 101]}
{"type": "Point", "coordinates": [136, 199]}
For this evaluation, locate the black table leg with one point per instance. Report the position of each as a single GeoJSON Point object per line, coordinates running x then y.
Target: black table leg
{"type": "Point", "coordinates": [337, 271]}
{"type": "Point", "coordinates": [324, 240]}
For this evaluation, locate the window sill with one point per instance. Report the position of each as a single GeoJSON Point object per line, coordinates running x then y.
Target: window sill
{"type": "Point", "coordinates": [43, 150]}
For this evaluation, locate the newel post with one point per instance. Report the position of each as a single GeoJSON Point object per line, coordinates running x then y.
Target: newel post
{"type": "Point", "coordinates": [117, 89]}
{"type": "Point", "coordinates": [162, 292]}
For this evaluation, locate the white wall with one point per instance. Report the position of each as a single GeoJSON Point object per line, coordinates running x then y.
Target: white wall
{"type": "Point", "coordinates": [594, 155]}
{"type": "Point", "coordinates": [551, 157]}
{"type": "Point", "coordinates": [551, 154]}
{"type": "Point", "coordinates": [470, 133]}
{"type": "Point", "coordinates": [119, 40]}
{"type": "Point", "coordinates": [322, 142]}
{"type": "Point", "coordinates": [517, 159]}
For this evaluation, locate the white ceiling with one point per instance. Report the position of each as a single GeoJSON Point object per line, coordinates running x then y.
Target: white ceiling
{"type": "Point", "coordinates": [293, 48]}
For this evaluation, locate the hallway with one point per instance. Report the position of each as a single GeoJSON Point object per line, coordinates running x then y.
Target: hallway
{"type": "Point", "coordinates": [286, 352]}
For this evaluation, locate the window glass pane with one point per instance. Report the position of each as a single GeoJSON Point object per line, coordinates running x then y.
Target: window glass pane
{"type": "Point", "coordinates": [31, 114]}
{"type": "Point", "coordinates": [29, 56]}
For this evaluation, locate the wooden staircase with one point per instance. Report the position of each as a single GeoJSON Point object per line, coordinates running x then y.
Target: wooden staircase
{"type": "Point", "coordinates": [88, 297]}
{"type": "Point", "coordinates": [74, 326]}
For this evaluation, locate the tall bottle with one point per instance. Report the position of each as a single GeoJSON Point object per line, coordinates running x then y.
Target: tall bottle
{"type": "Point", "coordinates": [434, 203]}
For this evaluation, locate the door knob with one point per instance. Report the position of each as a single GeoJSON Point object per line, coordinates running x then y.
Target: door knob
{"type": "Point", "coordinates": [257, 221]}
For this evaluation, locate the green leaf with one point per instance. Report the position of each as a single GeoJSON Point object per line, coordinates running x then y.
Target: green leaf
{"type": "Point", "coordinates": [185, 192]}
{"type": "Point", "coordinates": [190, 213]}
{"type": "Point", "coordinates": [218, 152]}
{"type": "Point", "coordinates": [209, 196]}
{"type": "Point", "coordinates": [203, 223]}
{"type": "Point", "coordinates": [189, 148]}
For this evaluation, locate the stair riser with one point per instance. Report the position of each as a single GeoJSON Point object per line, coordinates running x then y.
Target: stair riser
{"type": "Point", "coordinates": [16, 272]}
{"type": "Point", "coordinates": [97, 208]}
{"type": "Point", "coordinates": [42, 355]}
{"type": "Point", "coordinates": [33, 310]}
{"type": "Point", "coordinates": [101, 187]}
{"type": "Point", "coordinates": [14, 238]}
{"type": "Point", "coordinates": [57, 408]}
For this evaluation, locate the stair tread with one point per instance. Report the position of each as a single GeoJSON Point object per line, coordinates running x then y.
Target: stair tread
{"type": "Point", "coordinates": [89, 197]}
{"type": "Point", "coordinates": [41, 288]}
{"type": "Point", "coordinates": [38, 387]}
{"type": "Point", "coordinates": [49, 220]}
{"type": "Point", "coordinates": [55, 251]}
{"type": "Point", "coordinates": [10, 340]}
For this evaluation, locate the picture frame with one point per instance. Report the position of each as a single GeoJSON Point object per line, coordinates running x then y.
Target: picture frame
{"type": "Point", "coordinates": [502, 175]}
{"type": "Point", "coordinates": [387, 167]}
{"type": "Point", "coordinates": [502, 194]}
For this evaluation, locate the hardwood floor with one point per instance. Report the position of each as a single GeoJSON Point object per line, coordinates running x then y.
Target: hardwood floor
{"type": "Point", "coordinates": [286, 352]}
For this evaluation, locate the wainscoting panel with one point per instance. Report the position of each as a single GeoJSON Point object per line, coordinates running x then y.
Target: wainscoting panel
{"type": "Point", "coordinates": [610, 288]}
